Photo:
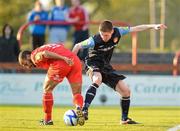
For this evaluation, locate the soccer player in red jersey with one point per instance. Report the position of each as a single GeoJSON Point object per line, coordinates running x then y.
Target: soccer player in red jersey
{"type": "Point", "coordinates": [60, 62]}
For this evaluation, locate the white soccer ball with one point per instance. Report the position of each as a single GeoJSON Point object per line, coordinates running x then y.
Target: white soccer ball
{"type": "Point", "coordinates": [70, 118]}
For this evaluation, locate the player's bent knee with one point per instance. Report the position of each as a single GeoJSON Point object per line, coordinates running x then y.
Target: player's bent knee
{"type": "Point", "coordinates": [76, 91]}
{"type": "Point", "coordinates": [127, 92]}
{"type": "Point", "coordinates": [76, 88]}
{"type": "Point", "coordinates": [97, 80]}
{"type": "Point", "coordinates": [49, 86]}
{"type": "Point", "coordinates": [47, 90]}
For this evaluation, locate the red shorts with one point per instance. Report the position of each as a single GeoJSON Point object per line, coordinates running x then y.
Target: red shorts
{"type": "Point", "coordinates": [60, 69]}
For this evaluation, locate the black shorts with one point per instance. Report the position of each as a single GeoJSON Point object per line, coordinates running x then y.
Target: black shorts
{"type": "Point", "coordinates": [110, 77]}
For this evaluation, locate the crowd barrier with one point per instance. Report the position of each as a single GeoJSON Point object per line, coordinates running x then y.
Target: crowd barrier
{"type": "Point", "coordinates": [147, 90]}
{"type": "Point", "coordinates": [161, 68]}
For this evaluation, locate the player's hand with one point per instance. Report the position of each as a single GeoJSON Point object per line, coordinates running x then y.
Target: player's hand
{"type": "Point", "coordinates": [69, 61]}
{"type": "Point", "coordinates": [160, 26]}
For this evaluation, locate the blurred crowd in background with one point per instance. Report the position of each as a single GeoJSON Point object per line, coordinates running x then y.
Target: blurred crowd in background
{"type": "Point", "coordinates": [9, 47]}
{"type": "Point", "coordinates": [13, 16]}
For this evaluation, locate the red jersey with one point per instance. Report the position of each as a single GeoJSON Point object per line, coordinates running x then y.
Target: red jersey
{"type": "Point", "coordinates": [82, 14]}
{"type": "Point", "coordinates": [58, 69]}
{"type": "Point", "coordinates": [55, 48]}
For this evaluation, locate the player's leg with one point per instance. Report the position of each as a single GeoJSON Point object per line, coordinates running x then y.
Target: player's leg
{"type": "Point", "coordinates": [91, 91]}
{"type": "Point", "coordinates": [77, 97]}
{"type": "Point", "coordinates": [78, 101]}
{"type": "Point", "coordinates": [75, 79]}
{"type": "Point", "coordinates": [115, 81]}
{"type": "Point", "coordinates": [96, 78]}
{"type": "Point", "coordinates": [48, 101]}
{"type": "Point", "coordinates": [124, 91]}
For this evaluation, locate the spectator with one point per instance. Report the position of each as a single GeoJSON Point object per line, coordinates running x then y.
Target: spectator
{"type": "Point", "coordinates": [38, 31]}
{"type": "Point", "coordinates": [81, 27]}
{"type": "Point", "coordinates": [58, 33]}
{"type": "Point", "coordinates": [9, 47]}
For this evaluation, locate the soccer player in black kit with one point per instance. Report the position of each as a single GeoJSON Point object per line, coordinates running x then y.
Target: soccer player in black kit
{"type": "Point", "coordinates": [98, 66]}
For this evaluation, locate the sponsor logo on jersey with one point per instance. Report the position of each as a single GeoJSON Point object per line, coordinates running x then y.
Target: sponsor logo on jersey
{"type": "Point", "coordinates": [107, 49]}
{"type": "Point", "coordinates": [101, 46]}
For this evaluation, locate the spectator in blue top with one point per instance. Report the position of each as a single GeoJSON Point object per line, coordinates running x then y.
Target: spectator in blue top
{"type": "Point", "coordinates": [58, 33]}
{"type": "Point", "coordinates": [38, 31]}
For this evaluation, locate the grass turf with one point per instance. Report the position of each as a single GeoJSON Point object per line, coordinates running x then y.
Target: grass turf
{"type": "Point", "coordinates": [25, 118]}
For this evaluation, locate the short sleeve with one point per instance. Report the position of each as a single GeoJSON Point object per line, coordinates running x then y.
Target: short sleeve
{"type": "Point", "coordinates": [89, 43]}
{"type": "Point", "coordinates": [124, 30]}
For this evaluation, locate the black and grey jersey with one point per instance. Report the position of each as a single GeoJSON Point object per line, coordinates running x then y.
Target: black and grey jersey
{"type": "Point", "coordinates": [102, 51]}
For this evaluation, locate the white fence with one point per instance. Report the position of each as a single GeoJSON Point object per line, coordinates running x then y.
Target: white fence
{"type": "Point", "coordinates": [146, 90]}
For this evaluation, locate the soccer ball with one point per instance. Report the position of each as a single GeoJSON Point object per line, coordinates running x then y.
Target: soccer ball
{"type": "Point", "coordinates": [70, 118]}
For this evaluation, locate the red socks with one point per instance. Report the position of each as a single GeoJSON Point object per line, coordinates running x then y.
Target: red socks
{"type": "Point", "coordinates": [78, 100]}
{"type": "Point", "coordinates": [47, 105]}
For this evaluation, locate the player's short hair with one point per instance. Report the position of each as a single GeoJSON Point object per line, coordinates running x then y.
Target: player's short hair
{"type": "Point", "coordinates": [106, 26]}
{"type": "Point", "coordinates": [23, 55]}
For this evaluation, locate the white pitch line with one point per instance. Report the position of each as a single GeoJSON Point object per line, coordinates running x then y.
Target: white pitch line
{"type": "Point", "coordinates": [175, 128]}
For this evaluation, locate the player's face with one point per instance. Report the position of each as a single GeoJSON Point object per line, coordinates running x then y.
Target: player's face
{"type": "Point", "coordinates": [27, 63]}
{"type": "Point", "coordinates": [106, 36]}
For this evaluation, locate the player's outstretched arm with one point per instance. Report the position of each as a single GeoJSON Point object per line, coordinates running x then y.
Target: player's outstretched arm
{"type": "Point", "coordinates": [147, 26]}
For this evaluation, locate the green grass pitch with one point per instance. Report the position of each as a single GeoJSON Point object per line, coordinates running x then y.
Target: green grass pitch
{"type": "Point", "coordinates": [25, 118]}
